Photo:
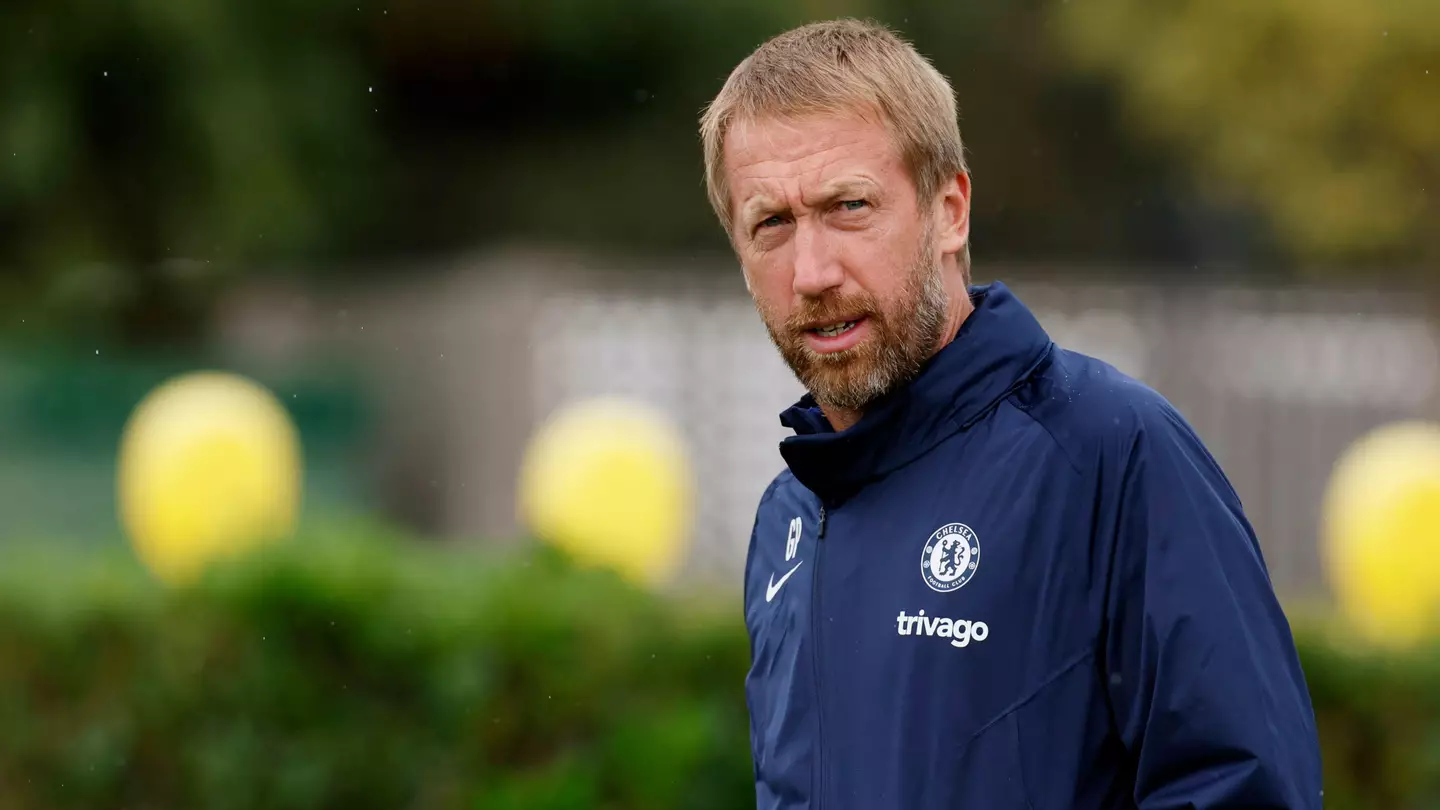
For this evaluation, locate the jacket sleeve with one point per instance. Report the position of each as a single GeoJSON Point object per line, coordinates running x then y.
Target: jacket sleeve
{"type": "Point", "coordinates": [1205, 682]}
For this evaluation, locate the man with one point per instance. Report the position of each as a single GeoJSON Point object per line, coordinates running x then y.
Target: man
{"type": "Point", "coordinates": [996, 574]}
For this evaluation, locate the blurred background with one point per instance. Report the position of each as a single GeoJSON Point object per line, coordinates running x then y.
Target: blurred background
{"type": "Point", "coordinates": [427, 226]}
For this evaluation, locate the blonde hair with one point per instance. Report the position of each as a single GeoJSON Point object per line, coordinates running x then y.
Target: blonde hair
{"type": "Point", "coordinates": [837, 67]}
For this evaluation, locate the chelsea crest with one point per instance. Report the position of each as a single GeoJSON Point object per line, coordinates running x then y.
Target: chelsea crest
{"type": "Point", "coordinates": [951, 556]}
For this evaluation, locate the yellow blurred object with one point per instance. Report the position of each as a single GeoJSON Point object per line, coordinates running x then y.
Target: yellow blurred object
{"type": "Point", "coordinates": [609, 482]}
{"type": "Point", "coordinates": [1382, 533]}
{"type": "Point", "coordinates": [210, 467]}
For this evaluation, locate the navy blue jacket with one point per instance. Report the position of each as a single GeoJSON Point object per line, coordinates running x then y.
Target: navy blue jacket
{"type": "Point", "coordinates": [1018, 583]}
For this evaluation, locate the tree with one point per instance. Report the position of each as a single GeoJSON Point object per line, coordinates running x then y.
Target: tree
{"type": "Point", "coordinates": [148, 148]}
{"type": "Point", "coordinates": [1324, 114]}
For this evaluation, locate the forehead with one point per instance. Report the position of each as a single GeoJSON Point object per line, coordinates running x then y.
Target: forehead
{"type": "Point", "coordinates": [788, 155]}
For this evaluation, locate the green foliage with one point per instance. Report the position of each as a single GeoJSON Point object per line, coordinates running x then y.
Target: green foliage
{"type": "Point", "coordinates": [353, 670]}
{"type": "Point", "coordinates": [353, 675]}
{"type": "Point", "coordinates": [148, 148]}
{"type": "Point", "coordinates": [153, 151]}
{"type": "Point", "coordinates": [1321, 112]}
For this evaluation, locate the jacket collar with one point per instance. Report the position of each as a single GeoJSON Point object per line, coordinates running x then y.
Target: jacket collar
{"type": "Point", "coordinates": [998, 347]}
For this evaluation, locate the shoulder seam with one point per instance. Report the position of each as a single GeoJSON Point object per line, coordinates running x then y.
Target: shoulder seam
{"type": "Point", "coordinates": [773, 487]}
{"type": "Point", "coordinates": [1074, 463]}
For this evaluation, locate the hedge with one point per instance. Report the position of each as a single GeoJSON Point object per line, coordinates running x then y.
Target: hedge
{"type": "Point", "coordinates": [368, 675]}
{"type": "Point", "coordinates": [378, 673]}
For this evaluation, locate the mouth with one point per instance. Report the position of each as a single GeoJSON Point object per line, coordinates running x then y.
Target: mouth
{"type": "Point", "coordinates": [836, 329]}
{"type": "Point", "coordinates": [837, 336]}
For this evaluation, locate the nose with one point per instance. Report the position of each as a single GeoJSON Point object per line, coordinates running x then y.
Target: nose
{"type": "Point", "coordinates": [816, 269]}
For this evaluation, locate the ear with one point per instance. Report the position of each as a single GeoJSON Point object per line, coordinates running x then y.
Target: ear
{"type": "Point", "coordinates": [953, 214]}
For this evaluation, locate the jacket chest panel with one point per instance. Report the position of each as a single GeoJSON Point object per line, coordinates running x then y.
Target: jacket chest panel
{"type": "Point", "coordinates": [936, 601]}
{"type": "Point", "coordinates": [963, 588]}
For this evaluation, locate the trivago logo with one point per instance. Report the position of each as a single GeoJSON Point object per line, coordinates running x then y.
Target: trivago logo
{"type": "Point", "coordinates": [960, 631]}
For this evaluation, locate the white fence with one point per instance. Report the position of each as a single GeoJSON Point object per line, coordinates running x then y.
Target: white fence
{"type": "Point", "coordinates": [1277, 381]}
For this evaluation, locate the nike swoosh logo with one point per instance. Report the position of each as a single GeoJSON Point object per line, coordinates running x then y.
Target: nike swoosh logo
{"type": "Point", "coordinates": [775, 587]}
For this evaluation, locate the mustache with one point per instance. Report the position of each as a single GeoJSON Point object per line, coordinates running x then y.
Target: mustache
{"type": "Point", "coordinates": [830, 309]}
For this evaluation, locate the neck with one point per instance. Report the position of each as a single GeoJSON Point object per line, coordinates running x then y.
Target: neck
{"type": "Point", "coordinates": [842, 419]}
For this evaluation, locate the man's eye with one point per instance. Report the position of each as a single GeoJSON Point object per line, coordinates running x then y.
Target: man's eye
{"type": "Point", "coordinates": [770, 222]}
{"type": "Point", "coordinates": [853, 205]}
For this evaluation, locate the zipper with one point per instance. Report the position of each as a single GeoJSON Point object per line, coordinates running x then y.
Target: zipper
{"type": "Point", "coordinates": [815, 609]}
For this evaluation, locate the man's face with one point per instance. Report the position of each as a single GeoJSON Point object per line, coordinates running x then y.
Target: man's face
{"type": "Point", "coordinates": [839, 255]}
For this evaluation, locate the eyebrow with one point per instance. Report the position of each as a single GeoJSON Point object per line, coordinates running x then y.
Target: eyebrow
{"type": "Point", "coordinates": [845, 188]}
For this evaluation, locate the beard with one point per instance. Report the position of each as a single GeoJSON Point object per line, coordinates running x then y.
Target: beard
{"type": "Point", "coordinates": [904, 333]}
